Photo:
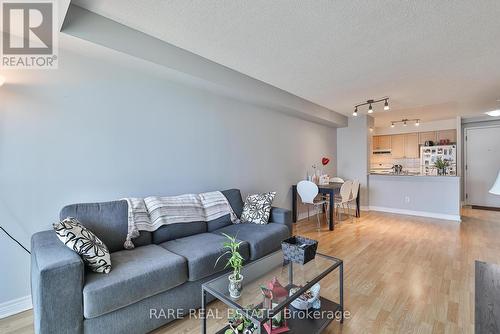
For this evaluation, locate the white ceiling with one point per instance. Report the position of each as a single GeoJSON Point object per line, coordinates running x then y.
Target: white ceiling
{"type": "Point", "coordinates": [435, 59]}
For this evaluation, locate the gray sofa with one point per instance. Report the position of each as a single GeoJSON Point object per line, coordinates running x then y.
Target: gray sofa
{"type": "Point", "coordinates": [164, 271]}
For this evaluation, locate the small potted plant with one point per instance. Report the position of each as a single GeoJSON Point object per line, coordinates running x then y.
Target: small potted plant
{"type": "Point", "coordinates": [238, 324]}
{"type": "Point", "coordinates": [235, 261]}
{"type": "Point", "coordinates": [441, 165]}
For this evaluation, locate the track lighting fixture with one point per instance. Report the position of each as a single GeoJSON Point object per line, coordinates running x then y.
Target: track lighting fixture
{"type": "Point", "coordinates": [370, 103]}
{"type": "Point", "coordinates": [405, 122]}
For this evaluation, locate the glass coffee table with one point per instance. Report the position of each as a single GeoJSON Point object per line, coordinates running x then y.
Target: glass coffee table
{"type": "Point", "coordinates": [291, 276]}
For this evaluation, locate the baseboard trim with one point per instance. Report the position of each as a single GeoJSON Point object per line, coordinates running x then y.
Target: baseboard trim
{"type": "Point", "coordinates": [15, 306]}
{"type": "Point", "coordinates": [481, 207]}
{"type": "Point", "coordinates": [303, 215]}
{"type": "Point", "coordinates": [417, 213]}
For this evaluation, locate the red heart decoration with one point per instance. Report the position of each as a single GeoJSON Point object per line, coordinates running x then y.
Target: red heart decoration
{"type": "Point", "coordinates": [325, 161]}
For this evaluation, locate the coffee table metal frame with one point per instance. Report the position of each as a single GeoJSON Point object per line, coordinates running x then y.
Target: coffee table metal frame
{"type": "Point", "coordinates": [259, 321]}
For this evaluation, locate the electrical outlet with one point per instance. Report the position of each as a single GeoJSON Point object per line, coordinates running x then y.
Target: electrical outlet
{"type": "Point", "coordinates": [407, 199]}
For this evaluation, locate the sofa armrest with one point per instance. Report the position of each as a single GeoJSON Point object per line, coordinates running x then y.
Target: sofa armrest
{"type": "Point", "coordinates": [57, 275]}
{"type": "Point", "coordinates": [281, 216]}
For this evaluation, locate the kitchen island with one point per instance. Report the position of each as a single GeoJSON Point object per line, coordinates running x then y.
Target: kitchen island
{"type": "Point", "coordinates": [418, 195]}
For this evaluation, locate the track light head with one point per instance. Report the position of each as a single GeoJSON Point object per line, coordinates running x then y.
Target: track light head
{"type": "Point", "coordinates": [404, 123]}
{"type": "Point", "coordinates": [392, 125]}
{"type": "Point", "coordinates": [386, 105]}
{"type": "Point", "coordinates": [417, 122]}
{"type": "Point", "coordinates": [355, 113]}
{"type": "Point", "coordinates": [370, 109]}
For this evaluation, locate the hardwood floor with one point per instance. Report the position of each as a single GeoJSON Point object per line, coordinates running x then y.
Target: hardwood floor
{"type": "Point", "coordinates": [403, 274]}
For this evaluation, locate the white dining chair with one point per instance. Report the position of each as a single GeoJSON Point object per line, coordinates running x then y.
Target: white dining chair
{"type": "Point", "coordinates": [308, 191]}
{"type": "Point", "coordinates": [354, 194]}
{"type": "Point", "coordinates": [336, 180]}
{"type": "Point", "coordinates": [344, 197]}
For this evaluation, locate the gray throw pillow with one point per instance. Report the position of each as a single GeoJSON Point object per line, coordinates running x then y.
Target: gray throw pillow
{"type": "Point", "coordinates": [80, 239]}
{"type": "Point", "coordinates": [257, 208]}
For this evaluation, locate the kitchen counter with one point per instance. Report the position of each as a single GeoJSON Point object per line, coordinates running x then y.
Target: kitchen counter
{"type": "Point", "coordinates": [418, 195]}
{"type": "Point", "coordinates": [410, 175]}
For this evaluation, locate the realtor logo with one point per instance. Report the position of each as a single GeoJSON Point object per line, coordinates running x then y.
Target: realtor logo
{"type": "Point", "coordinates": [29, 34]}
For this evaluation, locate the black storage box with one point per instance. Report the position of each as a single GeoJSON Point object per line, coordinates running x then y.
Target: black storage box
{"type": "Point", "coordinates": [299, 249]}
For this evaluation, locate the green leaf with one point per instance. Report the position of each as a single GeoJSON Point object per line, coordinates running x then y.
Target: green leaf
{"type": "Point", "coordinates": [228, 236]}
{"type": "Point", "coordinates": [220, 257]}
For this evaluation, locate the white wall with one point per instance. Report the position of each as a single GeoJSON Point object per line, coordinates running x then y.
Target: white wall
{"type": "Point", "coordinates": [106, 125]}
{"type": "Point", "coordinates": [200, 71]}
{"type": "Point", "coordinates": [431, 196]}
{"type": "Point", "coordinates": [353, 150]}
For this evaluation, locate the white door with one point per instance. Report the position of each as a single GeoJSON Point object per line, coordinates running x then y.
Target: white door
{"type": "Point", "coordinates": [482, 154]}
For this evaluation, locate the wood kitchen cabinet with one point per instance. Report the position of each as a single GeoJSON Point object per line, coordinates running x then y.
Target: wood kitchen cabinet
{"type": "Point", "coordinates": [381, 142]}
{"type": "Point", "coordinates": [398, 146]}
{"type": "Point", "coordinates": [375, 140]}
{"type": "Point", "coordinates": [451, 135]}
{"type": "Point", "coordinates": [426, 136]}
{"type": "Point", "coordinates": [411, 145]}
{"type": "Point", "coordinates": [404, 146]}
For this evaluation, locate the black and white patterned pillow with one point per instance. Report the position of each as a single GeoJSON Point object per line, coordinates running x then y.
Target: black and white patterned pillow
{"type": "Point", "coordinates": [257, 208]}
{"type": "Point", "coordinates": [81, 240]}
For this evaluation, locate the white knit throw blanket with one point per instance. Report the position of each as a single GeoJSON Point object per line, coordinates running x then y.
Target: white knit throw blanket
{"type": "Point", "coordinates": [150, 213]}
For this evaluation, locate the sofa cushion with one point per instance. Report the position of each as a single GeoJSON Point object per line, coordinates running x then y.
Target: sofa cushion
{"type": "Point", "coordinates": [108, 221]}
{"type": "Point", "coordinates": [218, 223]}
{"type": "Point", "coordinates": [263, 239]}
{"type": "Point", "coordinates": [176, 231]}
{"type": "Point", "coordinates": [257, 208]}
{"type": "Point", "coordinates": [234, 198]}
{"type": "Point", "coordinates": [81, 240]}
{"type": "Point", "coordinates": [137, 274]}
{"type": "Point", "coordinates": [201, 252]}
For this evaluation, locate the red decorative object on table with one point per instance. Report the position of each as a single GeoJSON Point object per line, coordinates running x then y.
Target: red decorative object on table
{"type": "Point", "coordinates": [325, 161]}
{"type": "Point", "coordinates": [274, 294]}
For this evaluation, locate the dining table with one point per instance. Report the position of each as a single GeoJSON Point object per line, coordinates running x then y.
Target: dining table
{"type": "Point", "coordinates": [331, 189]}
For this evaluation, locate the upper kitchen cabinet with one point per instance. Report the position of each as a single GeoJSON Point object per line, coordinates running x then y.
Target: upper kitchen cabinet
{"type": "Point", "coordinates": [398, 146]}
{"type": "Point", "coordinates": [427, 136]}
{"type": "Point", "coordinates": [381, 143]}
{"type": "Point", "coordinates": [450, 135]}
{"type": "Point", "coordinates": [407, 145]}
{"type": "Point", "coordinates": [436, 136]}
{"type": "Point", "coordinates": [411, 145]}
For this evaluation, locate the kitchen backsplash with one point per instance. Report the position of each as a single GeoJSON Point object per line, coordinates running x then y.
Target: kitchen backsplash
{"type": "Point", "coordinates": [410, 165]}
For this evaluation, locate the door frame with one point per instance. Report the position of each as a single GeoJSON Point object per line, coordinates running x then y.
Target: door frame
{"type": "Point", "coordinates": [466, 200]}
